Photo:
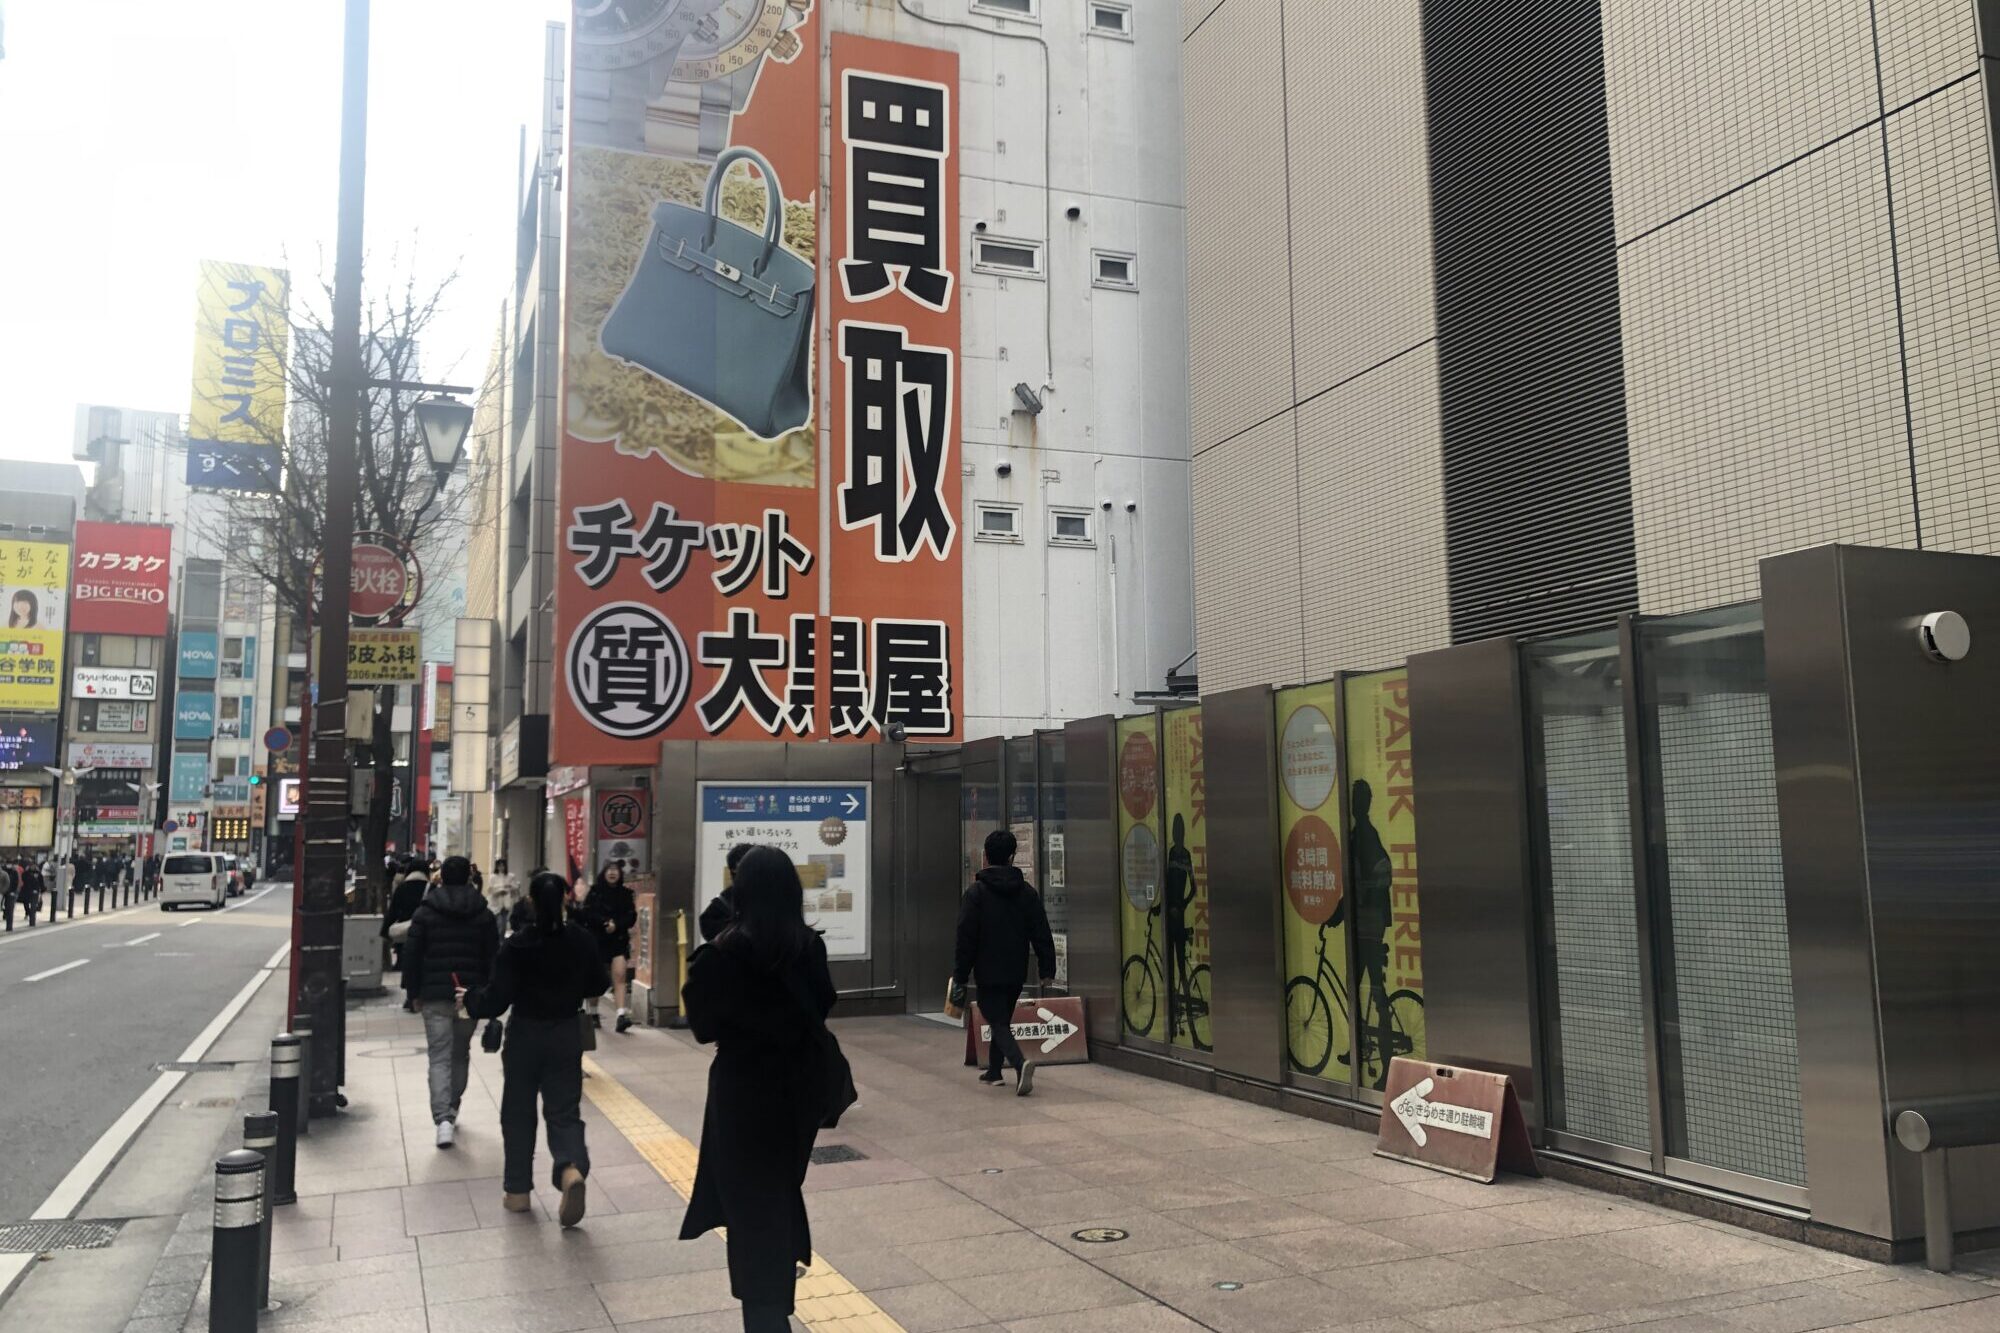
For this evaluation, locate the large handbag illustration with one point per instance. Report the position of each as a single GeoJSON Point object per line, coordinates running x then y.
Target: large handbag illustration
{"type": "Point", "coordinates": [721, 311]}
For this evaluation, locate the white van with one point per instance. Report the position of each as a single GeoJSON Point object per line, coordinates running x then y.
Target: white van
{"type": "Point", "coordinates": [192, 877]}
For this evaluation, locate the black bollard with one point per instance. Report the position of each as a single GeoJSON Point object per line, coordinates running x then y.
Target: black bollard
{"type": "Point", "coordinates": [239, 1217]}
{"type": "Point", "coordinates": [260, 1135]}
{"type": "Point", "coordinates": [285, 1082]}
{"type": "Point", "coordinates": [302, 1028]}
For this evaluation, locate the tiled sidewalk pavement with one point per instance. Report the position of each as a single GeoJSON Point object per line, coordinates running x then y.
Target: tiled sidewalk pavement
{"type": "Point", "coordinates": [961, 1212]}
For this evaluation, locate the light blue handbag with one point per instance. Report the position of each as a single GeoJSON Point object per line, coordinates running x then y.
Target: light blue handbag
{"type": "Point", "coordinates": [721, 311]}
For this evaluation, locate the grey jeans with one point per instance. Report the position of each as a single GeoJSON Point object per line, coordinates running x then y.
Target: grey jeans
{"type": "Point", "coordinates": [450, 1039]}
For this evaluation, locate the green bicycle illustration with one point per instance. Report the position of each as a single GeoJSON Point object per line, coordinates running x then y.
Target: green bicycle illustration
{"type": "Point", "coordinates": [1393, 1026]}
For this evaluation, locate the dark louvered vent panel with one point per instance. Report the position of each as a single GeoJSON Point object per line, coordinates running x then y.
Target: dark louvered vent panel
{"type": "Point", "coordinates": [1538, 500]}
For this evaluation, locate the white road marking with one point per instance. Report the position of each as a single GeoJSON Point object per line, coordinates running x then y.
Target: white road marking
{"type": "Point", "coordinates": [185, 924]}
{"type": "Point", "coordinates": [55, 970]}
{"type": "Point", "coordinates": [63, 1200]}
{"type": "Point", "coordinates": [83, 1177]}
{"type": "Point", "coordinates": [277, 959]}
{"type": "Point", "coordinates": [127, 944]}
{"type": "Point", "coordinates": [199, 1046]}
{"type": "Point", "coordinates": [49, 926]}
{"type": "Point", "coordinates": [251, 899]}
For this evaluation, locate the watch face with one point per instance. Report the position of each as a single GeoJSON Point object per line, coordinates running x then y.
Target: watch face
{"type": "Point", "coordinates": [734, 33]}
{"type": "Point", "coordinates": [612, 34]}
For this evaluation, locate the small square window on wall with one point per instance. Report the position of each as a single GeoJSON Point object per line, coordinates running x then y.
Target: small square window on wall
{"type": "Point", "coordinates": [1114, 269]}
{"type": "Point", "coordinates": [998, 522]}
{"type": "Point", "coordinates": [1016, 259]}
{"type": "Point", "coordinates": [1070, 527]}
{"type": "Point", "coordinates": [1013, 9]}
{"type": "Point", "coordinates": [1111, 18]}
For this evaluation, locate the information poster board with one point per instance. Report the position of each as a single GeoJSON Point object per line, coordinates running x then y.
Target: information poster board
{"type": "Point", "coordinates": [823, 827]}
{"type": "Point", "coordinates": [1382, 873]}
{"type": "Point", "coordinates": [1317, 1033]}
{"type": "Point", "coordinates": [1142, 988]}
{"type": "Point", "coordinates": [1185, 880]}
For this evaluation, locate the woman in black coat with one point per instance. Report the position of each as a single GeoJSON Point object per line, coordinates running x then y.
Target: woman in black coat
{"type": "Point", "coordinates": [609, 913]}
{"type": "Point", "coordinates": [761, 993]}
{"type": "Point", "coordinates": [544, 971]}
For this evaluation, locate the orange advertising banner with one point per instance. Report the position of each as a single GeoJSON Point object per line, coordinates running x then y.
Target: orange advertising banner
{"type": "Point", "coordinates": [746, 551]}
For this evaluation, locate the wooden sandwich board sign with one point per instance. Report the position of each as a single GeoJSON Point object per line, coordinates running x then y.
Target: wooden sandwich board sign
{"type": "Point", "coordinates": [1464, 1121]}
{"type": "Point", "coordinates": [1050, 1031]}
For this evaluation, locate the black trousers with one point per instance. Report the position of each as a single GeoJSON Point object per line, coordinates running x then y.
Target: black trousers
{"type": "Point", "coordinates": [997, 1008]}
{"type": "Point", "coordinates": [543, 1058]}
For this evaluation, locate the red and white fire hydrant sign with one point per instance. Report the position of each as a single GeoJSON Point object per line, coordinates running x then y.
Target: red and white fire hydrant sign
{"type": "Point", "coordinates": [1464, 1121]}
{"type": "Point", "coordinates": [1050, 1031]}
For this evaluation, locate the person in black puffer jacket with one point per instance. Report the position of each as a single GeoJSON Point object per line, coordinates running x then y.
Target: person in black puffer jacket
{"type": "Point", "coordinates": [999, 921]}
{"type": "Point", "coordinates": [451, 944]}
{"type": "Point", "coordinates": [545, 970]}
{"type": "Point", "coordinates": [609, 913]}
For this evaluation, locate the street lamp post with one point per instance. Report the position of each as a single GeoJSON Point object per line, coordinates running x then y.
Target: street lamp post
{"type": "Point", "coordinates": [146, 791]}
{"type": "Point", "coordinates": [318, 929]}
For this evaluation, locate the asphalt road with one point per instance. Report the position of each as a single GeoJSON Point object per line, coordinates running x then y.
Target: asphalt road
{"type": "Point", "coordinates": [90, 1009]}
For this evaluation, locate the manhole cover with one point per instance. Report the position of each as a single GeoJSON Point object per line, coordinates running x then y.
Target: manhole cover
{"type": "Point", "coordinates": [835, 1153]}
{"type": "Point", "coordinates": [1099, 1235]}
{"type": "Point", "coordinates": [208, 1103]}
{"type": "Point", "coordinates": [35, 1237]}
{"type": "Point", "coordinates": [197, 1066]}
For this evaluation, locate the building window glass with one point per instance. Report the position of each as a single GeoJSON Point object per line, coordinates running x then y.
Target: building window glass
{"type": "Point", "coordinates": [1111, 268]}
{"type": "Point", "coordinates": [999, 522]}
{"type": "Point", "coordinates": [1014, 9]}
{"type": "Point", "coordinates": [1070, 527]}
{"type": "Point", "coordinates": [1020, 259]}
{"type": "Point", "coordinates": [1111, 19]}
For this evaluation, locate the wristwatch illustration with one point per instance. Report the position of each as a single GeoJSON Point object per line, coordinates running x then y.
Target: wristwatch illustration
{"type": "Point", "coordinates": [625, 51]}
{"type": "Point", "coordinates": [716, 71]}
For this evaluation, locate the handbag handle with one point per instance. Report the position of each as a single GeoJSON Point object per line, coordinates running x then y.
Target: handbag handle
{"type": "Point", "coordinates": [774, 201]}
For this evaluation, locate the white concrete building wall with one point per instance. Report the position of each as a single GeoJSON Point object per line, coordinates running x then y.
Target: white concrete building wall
{"type": "Point", "coordinates": [1061, 631]}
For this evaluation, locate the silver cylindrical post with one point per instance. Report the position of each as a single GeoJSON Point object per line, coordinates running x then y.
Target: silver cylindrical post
{"type": "Point", "coordinates": [1938, 1240]}
{"type": "Point", "coordinates": [302, 1028]}
{"type": "Point", "coordinates": [239, 1218]}
{"type": "Point", "coordinates": [285, 1082]}
{"type": "Point", "coordinates": [260, 1135]}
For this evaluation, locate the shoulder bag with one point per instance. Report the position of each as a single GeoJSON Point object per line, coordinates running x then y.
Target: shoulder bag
{"type": "Point", "coordinates": [721, 311]}
{"type": "Point", "coordinates": [832, 1087]}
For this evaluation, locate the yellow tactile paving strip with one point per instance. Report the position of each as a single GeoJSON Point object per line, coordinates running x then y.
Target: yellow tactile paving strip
{"type": "Point", "coordinates": [826, 1300]}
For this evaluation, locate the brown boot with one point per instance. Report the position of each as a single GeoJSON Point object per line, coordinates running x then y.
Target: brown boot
{"type": "Point", "coordinates": [572, 1197]}
{"type": "Point", "coordinates": [515, 1203]}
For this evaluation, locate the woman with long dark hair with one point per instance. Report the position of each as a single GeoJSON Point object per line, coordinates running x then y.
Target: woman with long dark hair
{"type": "Point", "coordinates": [761, 993]}
{"type": "Point", "coordinates": [545, 971]}
{"type": "Point", "coordinates": [609, 912]}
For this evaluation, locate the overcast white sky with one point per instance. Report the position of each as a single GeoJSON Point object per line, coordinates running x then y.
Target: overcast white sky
{"type": "Point", "coordinates": [139, 136]}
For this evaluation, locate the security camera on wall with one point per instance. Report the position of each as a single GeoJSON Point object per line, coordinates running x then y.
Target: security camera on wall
{"type": "Point", "coordinates": [1107, 506]}
{"type": "Point", "coordinates": [1131, 506]}
{"type": "Point", "coordinates": [1004, 468]}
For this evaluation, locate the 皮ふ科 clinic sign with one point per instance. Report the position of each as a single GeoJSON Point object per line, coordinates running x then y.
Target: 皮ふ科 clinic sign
{"type": "Point", "coordinates": [823, 827]}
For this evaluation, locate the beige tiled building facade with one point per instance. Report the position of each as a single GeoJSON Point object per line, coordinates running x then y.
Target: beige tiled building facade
{"type": "Point", "coordinates": [1510, 317]}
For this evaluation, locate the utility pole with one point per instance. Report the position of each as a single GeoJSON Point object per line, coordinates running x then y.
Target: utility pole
{"type": "Point", "coordinates": [318, 914]}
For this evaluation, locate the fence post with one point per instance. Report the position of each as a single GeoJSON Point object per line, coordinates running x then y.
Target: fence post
{"type": "Point", "coordinates": [260, 1135]}
{"type": "Point", "coordinates": [285, 1083]}
{"type": "Point", "coordinates": [239, 1216]}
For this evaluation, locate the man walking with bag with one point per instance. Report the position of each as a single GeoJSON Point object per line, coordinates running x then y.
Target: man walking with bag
{"type": "Point", "coordinates": [451, 947]}
{"type": "Point", "coordinates": [999, 920]}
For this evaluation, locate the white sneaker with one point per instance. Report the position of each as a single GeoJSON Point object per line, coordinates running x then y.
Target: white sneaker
{"type": "Point", "coordinates": [447, 1133]}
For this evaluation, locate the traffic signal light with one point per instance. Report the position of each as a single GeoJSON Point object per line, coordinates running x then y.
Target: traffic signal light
{"type": "Point", "coordinates": [256, 779]}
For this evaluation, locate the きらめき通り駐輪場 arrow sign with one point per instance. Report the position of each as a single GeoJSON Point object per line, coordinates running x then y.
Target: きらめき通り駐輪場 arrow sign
{"type": "Point", "coordinates": [1415, 1109]}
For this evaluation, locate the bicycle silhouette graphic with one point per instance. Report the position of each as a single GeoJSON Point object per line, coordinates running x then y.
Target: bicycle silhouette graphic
{"type": "Point", "coordinates": [1144, 977]}
{"type": "Point", "coordinates": [1394, 1019]}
